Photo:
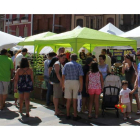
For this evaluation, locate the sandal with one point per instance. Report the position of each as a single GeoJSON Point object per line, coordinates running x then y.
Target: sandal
{"type": "Point", "coordinates": [85, 112]}
{"type": "Point", "coordinates": [89, 116]}
{"type": "Point", "coordinates": [27, 115]}
{"type": "Point", "coordinates": [96, 116]}
{"type": "Point", "coordinates": [59, 114]}
{"type": "Point", "coordinates": [125, 119]}
{"type": "Point", "coordinates": [129, 117]}
{"type": "Point", "coordinates": [138, 112]}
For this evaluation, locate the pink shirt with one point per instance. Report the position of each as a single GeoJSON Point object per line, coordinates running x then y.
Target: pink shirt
{"type": "Point", "coordinates": [94, 81]}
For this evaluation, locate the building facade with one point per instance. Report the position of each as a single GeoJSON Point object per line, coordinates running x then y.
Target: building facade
{"type": "Point", "coordinates": [93, 21]}
{"type": "Point", "coordinates": [18, 24]}
{"type": "Point", "coordinates": [1, 22]}
{"type": "Point", "coordinates": [124, 22]}
{"type": "Point", "coordinates": [44, 23]}
{"type": "Point", "coordinates": [129, 21]}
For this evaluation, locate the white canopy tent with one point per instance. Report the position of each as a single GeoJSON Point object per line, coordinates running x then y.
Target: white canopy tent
{"type": "Point", "coordinates": [110, 29]}
{"type": "Point", "coordinates": [8, 41]}
{"type": "Point", "coordinates": [133, 34]}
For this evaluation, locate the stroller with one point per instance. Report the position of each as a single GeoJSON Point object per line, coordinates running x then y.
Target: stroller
{"type": "Point", "coordinates": [112, 85]}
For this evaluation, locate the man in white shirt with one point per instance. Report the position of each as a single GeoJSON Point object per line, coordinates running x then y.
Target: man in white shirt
{"type": "Point", "coordinates": [19, 57]}
{"type": "Point", "coordinates": [108, 59]}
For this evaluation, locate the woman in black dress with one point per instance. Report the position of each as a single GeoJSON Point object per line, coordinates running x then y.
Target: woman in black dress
{"type": "Point", "coordinates": [130, 70]}
{"type": "Point", "coordinates": [85, 95]}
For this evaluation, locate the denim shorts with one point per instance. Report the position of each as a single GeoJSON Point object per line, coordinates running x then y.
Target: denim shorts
{"type": "Point", "coordinates": [21, 92]}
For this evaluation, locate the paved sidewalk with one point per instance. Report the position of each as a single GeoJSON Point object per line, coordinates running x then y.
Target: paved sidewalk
{"type": "Point", "coordinates": [44, 116]}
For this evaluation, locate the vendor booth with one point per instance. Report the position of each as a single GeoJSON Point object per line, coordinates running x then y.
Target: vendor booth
{"type": "Point", "coordinates": [81, 37]}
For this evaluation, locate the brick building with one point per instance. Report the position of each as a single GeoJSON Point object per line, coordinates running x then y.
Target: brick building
{"type": "Point", "coordinates": [1, 22]}
{"type": "Point", "coordinates": [44, 22]}
{"type": "Point", "coordinates": [125, 22]}
{"type": "Point", "coordinates": [18, 24]}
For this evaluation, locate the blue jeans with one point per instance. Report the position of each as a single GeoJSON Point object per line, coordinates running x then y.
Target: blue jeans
{"type": "Point", "coordinates": [49, 90]}
{"type": "Point", "coordinates": [49, 93]}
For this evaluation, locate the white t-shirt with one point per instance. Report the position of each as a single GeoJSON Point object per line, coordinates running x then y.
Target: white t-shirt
{"type": "Point", "coordinates": [125, 95]}
{"type": "Point", "coordinates": [18, 60]}
{"type": "Point", "coordinates": [108, 62]}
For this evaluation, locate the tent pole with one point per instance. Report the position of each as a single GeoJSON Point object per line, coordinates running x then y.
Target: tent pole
{"type": "Point", "coordinates": [34, 65]}
{"type": "Point", "coordinates": [90, 48]}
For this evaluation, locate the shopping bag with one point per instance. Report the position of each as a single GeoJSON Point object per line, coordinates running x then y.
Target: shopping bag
{"type": "Point", "coordinates": [79, 102]}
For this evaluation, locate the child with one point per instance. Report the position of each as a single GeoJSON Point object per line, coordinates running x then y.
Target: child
{"type": "Point", "coordinates": [94, 86]}
{"type": "Point", "coordinates": [124, 99]}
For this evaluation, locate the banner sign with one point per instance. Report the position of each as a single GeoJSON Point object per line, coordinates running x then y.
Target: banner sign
{"type": "Point", "coordinates": [123, 52]}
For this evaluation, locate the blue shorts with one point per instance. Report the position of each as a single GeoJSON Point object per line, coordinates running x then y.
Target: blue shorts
{"type": "Point", "coordinates": [21, 92]}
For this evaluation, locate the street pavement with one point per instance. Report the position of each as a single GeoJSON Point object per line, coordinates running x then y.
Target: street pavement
{"type": "Point", "coordinates": [41, 115]}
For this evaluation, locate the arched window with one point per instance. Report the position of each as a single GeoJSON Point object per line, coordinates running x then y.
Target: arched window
{"type": "Point", "coordinates": [79, 22]}
{"type": "Point", "coordinates": [110, 20]}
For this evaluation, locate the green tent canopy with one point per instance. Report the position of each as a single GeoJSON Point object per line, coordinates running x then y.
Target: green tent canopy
{"type": "Point", "coordinates": [30, 40]}
{"type": "Point", "coordinates": [84, 37]}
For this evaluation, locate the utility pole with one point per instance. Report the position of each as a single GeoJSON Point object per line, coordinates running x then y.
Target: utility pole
{"type": "Point", "coordinates": [53, 25]}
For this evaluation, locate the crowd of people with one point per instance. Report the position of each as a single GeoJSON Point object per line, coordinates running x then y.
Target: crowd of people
{"type": "Point", "coordinates": [65, 78]}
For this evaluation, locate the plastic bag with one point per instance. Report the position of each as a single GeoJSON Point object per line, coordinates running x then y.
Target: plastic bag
{"type": "Point", "coordinates": [79, 102]}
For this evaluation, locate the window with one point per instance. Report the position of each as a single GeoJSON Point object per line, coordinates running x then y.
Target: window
{"type": "Point", "coordinates": [79, 22]}
{"type": "Point", "coordinates": [97, 23]}
{"type": "Point", "coordinates": [26, 15]}
{"type": "Point", "coordinates": [87, 21]}
{"type": "Point", "coordinates": [25, 31]}
{"type": "Point", "coordinates": [18, 16]}
{"type": "Point", "coordinates": [91, 23]}
{"type": "Point", "coordinates": [10, 17]}
{"type": "Point", "coordinates": [17, 31]}
{"type": "Point", "coordinates": [110, 20]}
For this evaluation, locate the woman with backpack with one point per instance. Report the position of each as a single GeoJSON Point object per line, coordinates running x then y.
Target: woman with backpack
{"type": "Point", "coordinates": [24, 84]}
{"type": "Point", "coordinates": [57, 82]}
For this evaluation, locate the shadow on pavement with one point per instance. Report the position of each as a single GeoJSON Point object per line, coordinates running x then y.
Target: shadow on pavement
{"type": "Point", "coordinates": [8, 114]}
{"type": "Point", "coordinates": [32, 121]}
{"type": "Point", "coordinates": [24, 108]}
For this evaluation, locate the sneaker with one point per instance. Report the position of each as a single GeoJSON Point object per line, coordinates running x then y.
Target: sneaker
{"type": "Point", "coordinates": [76, 118]}
{"type": "Point", "coordinates": [129, 117]}
{"type": "Point", "coordinates": [68, 117]}
{"type": "Point", "coordinates": [85, 112]}
{"type": "Point", "coordinates": [124, 119]}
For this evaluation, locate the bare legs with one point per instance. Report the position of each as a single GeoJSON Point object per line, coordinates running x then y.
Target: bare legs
{"type": "Point", "coordinates": [137, 100]}
{"type": "Point", "coordinates": [84, 103]}
{"type": "Point", "coordinates": [68, 104]}
{"type": "Point", "coordinates": [91, 100]}
{"type": "Point", "coordinates": [56, 102]}
{"type": "Point", "coordinates": [24, 96]}
{"type": "Point", "coordinates": [94, 99]}
{"type": "Point", "coordinates": [2, 100]}
{"type": "Point", "coordinates": [74, 107]}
